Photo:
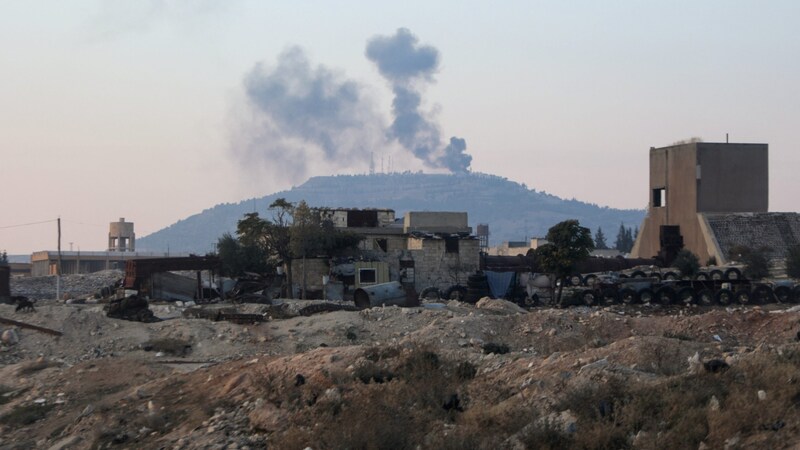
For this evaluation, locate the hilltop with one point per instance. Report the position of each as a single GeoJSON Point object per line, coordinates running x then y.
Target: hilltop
{"type": "Point", "coordinates": [512, 210]}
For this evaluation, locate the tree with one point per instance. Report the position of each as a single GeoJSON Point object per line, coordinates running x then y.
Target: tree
{"type": "Point", "coordinates": [755, 260]}
{"type": "Point", "coordinates": [687, 263]}
{"type": "Point", "coordinates": [305, 237]}
{"type": "Point", "coordinates": [793, 261]}
{"type": "Point", "coordinates": [600, 240]}
{"type": "Point", "coordinates": [624, 242]}
{"type": "Point", "coordinates": [261, 241]}
{"type": "Point", "coordinates": [568, 244]}
{"type": "Point", "coordinates": [238, 258]}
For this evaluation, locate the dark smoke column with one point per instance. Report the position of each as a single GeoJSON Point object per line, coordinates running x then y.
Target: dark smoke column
{"type": "Point", "coordinates": [408, 67]}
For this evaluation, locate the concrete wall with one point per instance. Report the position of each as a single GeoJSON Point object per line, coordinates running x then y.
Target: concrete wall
{"type": "Point", "coordinates": [733, 177]}
{"type": "Point", "coordinates": [436, 222]}
{"type": "Point", "coordinates": [45, 263]}
{"type": "Point", "coordinates": [316, 268]}
{"type": "Point", "coordinates": [435, 267]}
{"type": "Point", "coordinates": [339, 216]}
{"type": "Point", "coordinates": [394, 243]}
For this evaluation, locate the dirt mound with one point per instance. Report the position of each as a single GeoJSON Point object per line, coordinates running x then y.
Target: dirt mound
{"type": "Point", "coordinates": [439, 375]}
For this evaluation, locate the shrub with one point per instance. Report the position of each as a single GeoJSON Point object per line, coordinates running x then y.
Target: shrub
{"type": "Point", "coordinates": [755, 261]}
{"type": "Point", "coordinates": [793, 261]}
{"type": "Point", "coordinates": [687, 263]}
{"type": "Point", "coordinates": [25, 415]}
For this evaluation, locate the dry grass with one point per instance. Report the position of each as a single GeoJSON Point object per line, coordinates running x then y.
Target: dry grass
{"type": "Point", "coordinates": [415, 409]}
{"type": "Point", "coordinates": [32, 367]}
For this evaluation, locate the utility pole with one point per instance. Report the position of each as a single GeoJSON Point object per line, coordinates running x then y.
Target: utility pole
{"type": "Point", "coordinates": [58, 264]}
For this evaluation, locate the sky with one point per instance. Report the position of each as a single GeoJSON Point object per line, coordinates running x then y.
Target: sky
{"type": "Point", "coordinates": [154, 110]}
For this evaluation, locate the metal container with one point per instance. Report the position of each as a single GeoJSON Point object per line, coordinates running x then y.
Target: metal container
{"type": "Point", "coordinates": [391, 293]}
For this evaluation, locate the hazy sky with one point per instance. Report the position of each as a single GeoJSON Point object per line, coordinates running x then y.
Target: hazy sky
{"type": "Point", "coordinates": [155, 110]}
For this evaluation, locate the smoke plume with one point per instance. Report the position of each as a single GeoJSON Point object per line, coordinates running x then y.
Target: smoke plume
{"type": "Point", "coordinates": [303, 120]}
{"type": "Point", "coordinates": [408, 67]}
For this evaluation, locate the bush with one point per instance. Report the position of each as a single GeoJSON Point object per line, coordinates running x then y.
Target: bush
{"type": "Point", "coordinates": [687, 262]}
{"type": "Point", "coordinates": [25, 415]}
{"type": "Point", "coordinates": [755, 261]}
{"type": "Point", "coordinates": [793, 261]}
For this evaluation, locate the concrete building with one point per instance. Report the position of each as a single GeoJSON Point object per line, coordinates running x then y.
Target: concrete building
{"type": "Point", "coordinates": [425, 248]}
{"type": "Point", "coordinates": [514, 248]}
{"type": "Point", "coordinates": [45, 263]}
{"type": "Point", "coordinates": [709, 197]}
{"type": "Point", "coordinates": [121, 237]}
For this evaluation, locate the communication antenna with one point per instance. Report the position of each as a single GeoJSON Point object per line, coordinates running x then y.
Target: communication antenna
{"type": "Point", "coordinates": [372, 163]}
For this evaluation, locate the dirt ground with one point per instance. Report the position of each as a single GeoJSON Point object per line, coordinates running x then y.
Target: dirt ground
{"type": "Point", "coordinates": [187, 383]}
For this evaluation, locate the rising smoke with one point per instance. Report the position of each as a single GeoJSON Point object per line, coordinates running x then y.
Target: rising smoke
{"type": "Point", "coordinates": [408, 67]}
{"type": "Point", "coordinates": [304, 120]}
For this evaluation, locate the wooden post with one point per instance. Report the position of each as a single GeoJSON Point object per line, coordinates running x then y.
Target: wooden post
{"type": "Point", "coordinates": [58, 263]}
{"type": "Point", "coordinates": [199, 288]}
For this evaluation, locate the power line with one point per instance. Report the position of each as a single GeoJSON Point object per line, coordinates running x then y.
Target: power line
{"type": "Point", "coordinates": [83, 223]}
{"type": "Point", "coordinates": [27, 224]}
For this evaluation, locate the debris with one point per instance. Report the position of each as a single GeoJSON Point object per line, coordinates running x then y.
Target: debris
{"type": "Point", "coordinates": [715, 365]}
{"type": "Point", "coordinates": [29, 326]}
{"type": "Point", "coordinates": [492, 347]}
{"type": "Point", "coordinates": [132, 308]}
{"type": "Point", "coordinates": [10, 337]}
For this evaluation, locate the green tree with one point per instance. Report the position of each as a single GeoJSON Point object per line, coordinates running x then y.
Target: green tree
{"type": "Point", "coordinates": [755, 260]}
{"type": "Point", "coordinates": [793, 261]}
{"type": "Point", "coordinates": [238, 258]}
{"type": "Point", "coordinates": [265, 239]}
{"type": "Point", "coordinates": [624, 242]}
{"type": "Point", "coordinates": [600, 240]}
{"type": "Point", "coordinates": [568, 244]}
{"type": "Point", "coordinates": [687, 263]}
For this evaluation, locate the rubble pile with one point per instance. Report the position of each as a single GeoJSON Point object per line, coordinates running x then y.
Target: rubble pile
{"type": "Point", "coordinates": [184, 379]}
{"type": "Point", "coordinates": [78, 286]}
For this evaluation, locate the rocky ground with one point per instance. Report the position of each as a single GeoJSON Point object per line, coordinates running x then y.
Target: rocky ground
{"type": "Point", "coordinates": [442, 375]}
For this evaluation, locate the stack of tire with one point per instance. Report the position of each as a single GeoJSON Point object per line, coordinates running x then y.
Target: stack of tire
{"type": "Point", "coordinates": [477, 287]}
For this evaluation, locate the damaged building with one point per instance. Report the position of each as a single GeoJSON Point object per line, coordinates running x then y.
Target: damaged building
{"type": "Point", "coordinates": [709, 198]}
{"type": "Point", "coordinates": [422, 249]}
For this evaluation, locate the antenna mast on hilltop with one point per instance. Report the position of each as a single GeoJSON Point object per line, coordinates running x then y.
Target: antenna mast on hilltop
{"type": "Point", "coordinates": [372, 163]}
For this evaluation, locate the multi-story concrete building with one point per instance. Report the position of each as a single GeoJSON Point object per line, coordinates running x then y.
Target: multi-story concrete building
{"type": "Point", "coordinates": [711, 197]}
{"type": "Point", "coordinates": [425, 248]}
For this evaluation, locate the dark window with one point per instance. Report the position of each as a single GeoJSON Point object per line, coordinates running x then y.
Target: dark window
{"type": "Point", "coordinates": [659, 197]}
{"type": "Point", "coordinates": [451, 245]}
{"type": "Point", "coordinates": [382, 244]}
{"type": "Point", "coordinates": [362, 219]}
{"type": "Point", "coordinates": [367, 276]}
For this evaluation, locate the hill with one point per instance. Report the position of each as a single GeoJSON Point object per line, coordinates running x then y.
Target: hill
{"type": "Point", "coordinates": [512, 210]}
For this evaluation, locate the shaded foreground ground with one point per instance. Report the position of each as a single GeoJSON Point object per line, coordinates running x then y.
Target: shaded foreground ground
{"type": "Point", "coordinates": [439, 376]}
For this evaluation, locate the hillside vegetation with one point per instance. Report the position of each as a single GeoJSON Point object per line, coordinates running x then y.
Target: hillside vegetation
{"type": "Point", "coordinates": [512, 210]}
